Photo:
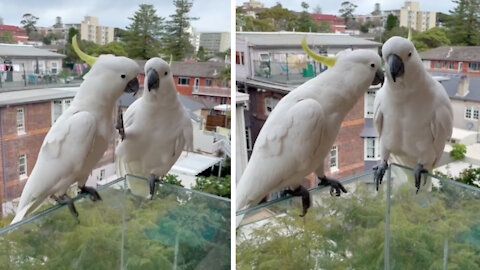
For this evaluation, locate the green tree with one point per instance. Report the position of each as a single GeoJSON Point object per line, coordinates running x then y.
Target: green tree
{"type": "Point", "coordinates": [346, 11]}
{"type": "Point", "coordinates": [28, 22]}
{"type": "Point", "coordinates": [220, 186]}
{"type": "Point", "coordinates": [143, 33]}
{"type": "Point", "coordinates": [325, 27]}
{"type": "Point", "coordinates": [396, 31]}
{"type": "Point", "coordinates": [305, 22]}
{"type": "Point", "coordinates": [458, 152]}
{"type": "Point", "coordinates": [392, 22]}
{"type": "Point", "coordinates": [281, 18]}
{"type": "Point", "coordinates": [115, 48]}
{"type": "Point", "coordinates": [177, 39]}
{"type": "Point", "coordinates": [71, 33]}
{"type": "Point", "coordinates": [7, 37]}
{"type": "Point", "coordinates": [464, 23]}
{"type": "Point", "coordinates": [432, 38]}
{"type": "Point", "coordinates": [171, 179]}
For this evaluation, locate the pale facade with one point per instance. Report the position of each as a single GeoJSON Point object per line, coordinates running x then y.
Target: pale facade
{"type": "Point", "coordinates": [411, 16]}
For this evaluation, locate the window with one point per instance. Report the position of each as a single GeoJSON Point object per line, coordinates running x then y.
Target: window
{"type": "Point", "coordinates": [240, 58]}
{"type": "Point", "coordinates": [102, 174]}
{"type": "Point", "coordinates": [183, 81]}
{"type": "Point", "coordinates": [58, 107]}
{"type": "Point", "coordinates": [474, 66]}
{"type": "Point", "coordinates": [22, 167]}
{"type": "Point", "coordinates": [369, 100]}
{"type": "Point", "coordinates": [372, 151]}
{"type": "Point", "coordinates": [208, 82]}
{"type": "Point", "coordinates": [197, 82]}
{"type": "Point", "coordinates": [223, 100]}
{"type": "Point", "coordinates": [20, 121]}
{"type": "Point", "coordinates": [224, 84]}
{"type": "Point", "coordinates": [270, 104]}
{"type": "Point", "coordinates": [437, 64]}
{"type": "Point", "coordinates": [451, 65]}
{"type": "Point", "coordinates": [334, 158]}
{"type": "Point", "coordinates": [471, 113]}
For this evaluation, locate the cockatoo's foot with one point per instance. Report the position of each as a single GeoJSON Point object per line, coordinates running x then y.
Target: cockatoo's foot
{"type": "Point", "coordinates": [335, 185]}
{"type": "Point", "coordinates": [303, 192]}
{"type": "Point", "coordinates": [152, 180]}
{"type": "Point", "coordinates": [64, 199]}
{"type": "Point", "coordinates": [120, 127]}
{"type": "Point", "coordinates": [418, 175]}
{"type": "Point", "coordinates": [94, 196]}
{"type": "Point", "coordinates": [379, 173]}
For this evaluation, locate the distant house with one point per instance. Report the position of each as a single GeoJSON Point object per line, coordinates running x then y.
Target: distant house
{"type": "Point", "coordinates": [337, 24]}
{"type": "Point", "coordinates": [453, 59]}
{"type": "Point", "coordinates": [19, 34]}
{"type": "Point", "coordinates": [19, 61]}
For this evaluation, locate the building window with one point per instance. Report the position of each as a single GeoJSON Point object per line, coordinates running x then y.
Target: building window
{"type": "Point", "coordinates": [208, 82]}
{"type": "Point", "coordinates": [451, 65]}
{"type": "Point", "coordinates": [369, 100]}
{"type": "Point", "coordinates": [102, 174]}
{"type": "Point", "coordinates": [58, 107]}
{"type": "Point", "coordinates": [223, 100]}
{"type": "Point", "coordinates": [183, 81]}
{"type": "Point", "coordinates": [437, 64]}
{"type": "Point", "coordinates": [240, 58]}
{"type": "Point", "coordinates": [20, 121]}
{"type": "Point", "coordinates": [474, 66]}
{"type": "Point", "coordinates": [334, 158]}
{"type": "Point", "coordinates": [22, 167]}
{"type": "Point", "coordinates": [224, 84]}
{"type": "Point", "coordinates": [471, 113]}
{"type": "Point", "coordinates": [372, 151]}
{"type": "Point", "coordinates": [270, 104]}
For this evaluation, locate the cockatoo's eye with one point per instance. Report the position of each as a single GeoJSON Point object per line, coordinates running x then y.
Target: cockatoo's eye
{"type": "Point", "coordinates": [123, 76]}
{"type": "Point", "coordinates": [372, 65]}
{"type": "Point", "coordinates": [409, 54]}
{"type": "Point", "coordinates": [166, 73]}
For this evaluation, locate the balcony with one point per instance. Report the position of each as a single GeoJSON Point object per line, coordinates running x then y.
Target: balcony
{"type": "Point", "coordinates": [16, 80]}
{"type": "Point", "coordinates": [394, 228]}
{"type": "Point", "coordinates": [211, 91]}
{"type": "Point", "coordinates": [178, 229]}
{"type": "Point", "coordinates": [285, 72]}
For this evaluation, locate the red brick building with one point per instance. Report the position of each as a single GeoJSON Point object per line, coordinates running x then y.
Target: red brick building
{"type": "Point", "coordinates": [453, 59]}
{"type": "Point", "coordinates": [19, 34]}
{"type": "Point", "coordinates": [337, 24]}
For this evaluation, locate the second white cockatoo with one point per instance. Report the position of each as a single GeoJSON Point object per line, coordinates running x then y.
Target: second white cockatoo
{"type": "Point", "coordinates": [300, 131]}
{"type": "Point", "coordinates": [80, 136]}
{"type": "Point", "coordinates": [156, 128]}
{"type": "Point", "coordinates": [412, 112]}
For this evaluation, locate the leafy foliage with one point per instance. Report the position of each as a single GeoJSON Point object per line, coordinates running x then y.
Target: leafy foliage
{"type": "Point", "coordinates": [171, 179]}
{"type": "Point", "coordinates": [28, 23]}
{"type": "Point", "coordinates": [346, 11]}
{"type": "Point", "coordinates": [220, 186]}
{"type": "Point", "coordinates": [392, 22]}
{"type": "Point", "coordinates": [458, 152]}
{"type": "Point", "coordinates": [469, 176]}
{"type": "Point", "coordinates": [464, 22]}
{"type": "Point", "coordinates": [7, 37]}
{"type": "Point", "coordinates": [432, 38]}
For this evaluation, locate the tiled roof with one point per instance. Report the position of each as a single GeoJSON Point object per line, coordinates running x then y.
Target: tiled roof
{"type": "Point", "coordinates": [454, 53]}
{"type": "Point", "coordinates": [26, 51]}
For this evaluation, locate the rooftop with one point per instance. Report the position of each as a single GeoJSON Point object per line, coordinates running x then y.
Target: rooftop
{"type": "Point", "coordinates": [13, 50]}
{"type": "Point", "coordinates": [294, 39]}
{"type": "Point", "coordinates": [454, 53]}
{"type": "Point", "coordinates": [35, 95]}
{"type": "Point", "coordinates": [451, 86]}
{"type": "Point", "coordinates": [192, 69]}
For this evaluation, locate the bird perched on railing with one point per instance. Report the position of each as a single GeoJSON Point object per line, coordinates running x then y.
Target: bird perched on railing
{"type": "Point", "coordinates": [300, 131]}
{"type": "Point", "coordinates": [157, 127]}
{"type": "Point", "coordinates": [412, 112]}
{"type": "Point", "coordinates": [80, 136]}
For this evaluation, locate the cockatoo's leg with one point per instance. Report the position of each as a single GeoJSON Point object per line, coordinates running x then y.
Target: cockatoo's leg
{"type": "Point", "coordinates": [94, 196]}
{"type": "Point", "coordinates": [303, 192]}
{"type": "Point", "coordinates": [379, 173]}
{"type": "Point", "coordinates": [120, 127]}
{"type": "Point", "coordinates": [334, 185]}
{"type": "Point", "coordinates": [418, 175]}
{"type": "Point", "coordinates": [64, 199]}
{"type": "Point", "coordinates": [152, 180]}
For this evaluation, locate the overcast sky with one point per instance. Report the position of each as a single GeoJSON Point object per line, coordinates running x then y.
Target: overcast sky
{"type": "Point", "coordinates": [364, 6]}
{"type": "Point", "coordinates": [214, 15]}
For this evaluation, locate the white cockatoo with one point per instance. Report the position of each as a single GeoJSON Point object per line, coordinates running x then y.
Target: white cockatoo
{"type": "Point", "coordinates": [300, 131]}
{"type": "Point", "coordinates": [156, 128]}
{"type": "Point", "coordinates": [80, 136]}
{"type": "Point", "coordinates": [412, 112]}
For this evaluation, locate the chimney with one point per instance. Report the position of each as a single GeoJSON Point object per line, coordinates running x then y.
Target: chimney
{"type": "Point", "coordinates": [463, 86]}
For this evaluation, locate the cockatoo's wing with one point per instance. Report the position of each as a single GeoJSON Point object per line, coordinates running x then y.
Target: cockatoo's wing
{"type": "Point", "coordinates": [282, 150]}
{"type": "Point", "coordinates": [441, 128]}
{"type": "Point", "coordinates": [377, 113]}
{"type": "Point", "coordinates": [61, 158]}
{"type": "Point", "coordinates": [129, 115]}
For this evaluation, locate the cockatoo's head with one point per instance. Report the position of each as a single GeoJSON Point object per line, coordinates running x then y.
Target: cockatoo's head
{"type": "Point", "coordinates": [114, 75]}
{"type": "Point", "coordinates": [364, 65]}
{"type": "Point", "coordinates": [402, 60]}
{"type": "Point", "coordinates": [158, 78]}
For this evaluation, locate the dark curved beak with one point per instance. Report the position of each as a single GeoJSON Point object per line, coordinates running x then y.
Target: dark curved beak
{"type": "Point", "coordinates": [153, 81]}
{"type": "Point", "coordinates": [379, 77]}
{"type": "Point", "coordinates": [132, 86]}
{"type": "Point", "coordinates": [396, 66]}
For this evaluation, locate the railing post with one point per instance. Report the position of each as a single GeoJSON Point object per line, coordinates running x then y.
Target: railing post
{"type": "Point", "coordinates": [387, 219]}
